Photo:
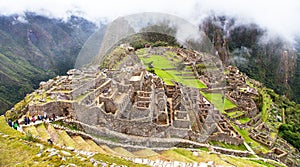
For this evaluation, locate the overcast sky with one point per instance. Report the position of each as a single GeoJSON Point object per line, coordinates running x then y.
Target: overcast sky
{"type": "Point", "coordinates": [281, 17]}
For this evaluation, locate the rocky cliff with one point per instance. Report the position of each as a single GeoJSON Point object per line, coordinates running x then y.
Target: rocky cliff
{"type": "Point", "coordinates": [270, 60]}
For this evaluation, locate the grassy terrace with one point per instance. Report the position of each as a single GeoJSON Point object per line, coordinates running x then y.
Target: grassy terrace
{"type": "Point", "coordinates": [229, 146]}
{"type": "Point", "coordinates": [244, 120]}
{"type": "Point", "coordinates": [166, 68]}
{"type": "Point", "coordinates": [253, 144]}
{"type": "Point", "coordinates": [267, 101]}
{"type": "Point", "coordinates": [222, 160]}
{"type": "Point", "coordinates": [235, 114]}
{"type": "Point", "coordinates": [17, 150]}
{"type": "Point", "coordinates": [216, 99]}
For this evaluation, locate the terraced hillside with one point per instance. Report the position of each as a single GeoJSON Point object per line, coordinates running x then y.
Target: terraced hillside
{"type": "Point", "coordinates": [140, 104]}
{"type": "Point", "coordinates": [36, 152]}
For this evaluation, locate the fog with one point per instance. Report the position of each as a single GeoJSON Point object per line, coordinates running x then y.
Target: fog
{"type": "Point", "coordinates": [280, 18]}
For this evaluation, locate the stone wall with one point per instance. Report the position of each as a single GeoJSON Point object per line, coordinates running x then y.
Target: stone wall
{"type": "Point", "coordinates": [222, 137]}
{"type": "Point", "coordinates": [87, 114]}
{"type": "Point", "coordinates": [84, 88]}
{"type": "Point", "coordinates": [181, 120]}
{"type": "Point", "coordinates": [59, 108]}
{"type": "Point", "coordinates": [230, 152]}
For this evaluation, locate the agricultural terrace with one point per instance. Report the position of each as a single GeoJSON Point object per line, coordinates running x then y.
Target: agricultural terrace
{"type": "Point", "coordinates": [169, 67]}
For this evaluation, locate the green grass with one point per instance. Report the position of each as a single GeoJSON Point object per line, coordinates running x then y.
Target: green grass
{"type": "Point", "coordinates": [179, 154]}
{"type": "Point", "coordinates": [68, 141]}
{"type": "Point", "coordinates": [235, 114]}
{"type": "Point", "coordinates": [244, 120]}
{"type": "Point", "coordinates": [123, 152]}
{"type": "Point", "coordinates": [172, 55]}
{"type": "Point", "coordinates": [14, 151]}
{"type": "Point", "coordinates": [267, 164]}
{"type": "Point", "coordinates": [32, 130]}
{"type": "Point", "coordinates": [229, 146]}
{"type": "Point", "coordinates": [204, 149]}
{"type": "Point", "coordinates": [249, 83]}
{"type": "Point", "coordinates": [4, 128]}
{"type": "Point", "coordinates": [222, 160]}
{"type": "Point", "coordinates": [189, 67]}
{"type": "Point", "coordinates": [267, 101]}
{"type": "Point", "coordinates": [141, 51]}
{"type": "Point", "coordinates": [112, 139]}
{"type": "Point", "coordinates": [216, 100]}
{"type": "Point", "coordinates": [160, 63]}
{"type": "Point", "coordinates": [116, 160]}
{"type": "Point", "coordinates": [157, 61]}
{"type": "Point", "coordinates": [253, 144]}
{"type": "Point", "coordinates": [242, 162]}
{"type": "Point", "coordinates": [41, 129]}
{"type": "Point", "coordinates": [146, 153]}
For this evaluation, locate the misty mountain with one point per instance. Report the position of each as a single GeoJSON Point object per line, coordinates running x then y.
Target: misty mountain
{"type": "Point", "coordinates": [35, 48]}
{"type": "Point", "coordinates": [270, 60]}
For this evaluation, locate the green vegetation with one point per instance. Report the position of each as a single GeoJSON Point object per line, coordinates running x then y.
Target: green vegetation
{"type": "Point", "coordinates": [113, 59]}
{"type": "Point", "coordinates": [30, 137]}
{"type": "Point", "coordinates": [290, 132]}
{"type": "Point", "coordinates": [267, 101]}
{"type": "Point", "coordinates": [150, 36]}
{"type": "Point", "coordinates": [235, 114]}
{"type": "Point", "coordinates": [200, 68]}
{"type": "Point", "coordinates": [67, 125]}
{"type": "Point", "coordinates": [257, 147]}
{"type": "Point", "coordinates": [222, 160]}
{"type": "Point", "coordinates": [244, 120]}
{"type": "Point", "coordinates": [267, 164]}
{"type": "Point", "coordinates": [26, 152]}
{"type": "Point", "coordinates": [290, 113]}
{"type": "Point", "coordinates": [229, 146]}
{"type": "Point", "coordinates": [244, 162]}
{"type": "Point", "coordinates": [158, 61]}
{"type": "Point", "coordinates": [146, 153]}
{"type": "Point", "coordinates": [204, 149]}
{"type": "Point", "coordinates": [180, 155]}
{"type": "Point", "coordinates": [4, 128]}
{"type": "Point", "coordinates": [22, 67]}
{"type": "Point", "coordinates": [169, 70]}
{"type": "Point", "coordinates": [14, 151]}
{"type": "Point", "coordinates": [216, 100]}
{"type": "Point", "coordinates": [115, 160]}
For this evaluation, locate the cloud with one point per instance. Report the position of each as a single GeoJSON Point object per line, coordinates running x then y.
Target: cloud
{"type": "Point", "coordinates": [279, 17]}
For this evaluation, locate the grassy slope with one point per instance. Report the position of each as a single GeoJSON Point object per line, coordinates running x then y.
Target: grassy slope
{"type": "Point", "coordinates": [222, 160]}
{"type": "Point", "coordinates": [267, 101]}
{"type": "Point", "coordinates": [229, 146]}
{"type": "Point", "coordinates": [160, 63]}
{"type": "Point", "coordinates": [14, 149]}
{"type": "Point", "coordinates": [254, 145]}
{"type": "Point", "coordinates": [216, 99]}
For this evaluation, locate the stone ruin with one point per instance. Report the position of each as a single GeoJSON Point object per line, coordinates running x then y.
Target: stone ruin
{"type": "Point", "coordinates": [134, 102]}
{"type": "Point", "coordinates": [239, 92]}
{"type": "Point", "coordinates": [227, 134]}
{"type": "Point", "coordinates": [261, 134]}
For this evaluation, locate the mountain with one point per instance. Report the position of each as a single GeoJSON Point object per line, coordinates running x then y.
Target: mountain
{"type": "Point", "coordinates": [270, 60]}
{"type": "Point", "coordinates": [34, 48]}
{"type": "Point", "coordinates": [155, 98]}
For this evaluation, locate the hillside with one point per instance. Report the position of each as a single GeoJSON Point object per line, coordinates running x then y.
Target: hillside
{"type": "Point", "coordinates": [270, 60]}
{"type": "Point", "coordinates": [157, 98]}
{"type": "Point", "coordinates": [34, 48]}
